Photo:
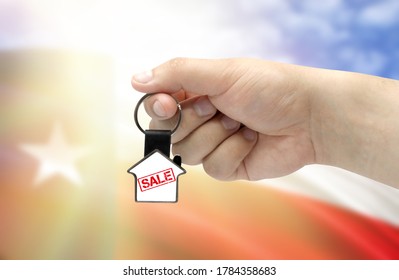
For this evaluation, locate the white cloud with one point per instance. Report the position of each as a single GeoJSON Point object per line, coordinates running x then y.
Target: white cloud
{"type": "Point", "coordinates": [323, 20]}
{"type": "Point", "coordinates": [363, 61]}
{"type": "Point", "coordinates": [322, 7]}
{"type": "Point", "coordinates": [382, 13]}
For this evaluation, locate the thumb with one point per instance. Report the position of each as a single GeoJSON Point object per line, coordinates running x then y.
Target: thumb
{"type": "Point", "coordinates": [194, 76]}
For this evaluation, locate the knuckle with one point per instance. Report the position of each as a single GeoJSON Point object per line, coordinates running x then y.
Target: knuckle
{"type": "Point", "coordinates": [176, 63]}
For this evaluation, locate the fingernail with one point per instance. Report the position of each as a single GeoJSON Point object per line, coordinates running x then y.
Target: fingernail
{"type": "Point", "coordinates": [249, 134]}
{"type": "Point", "coordinates": [159, 109]}
{"type": "Point", "coordinates": [228, 123]}
{"type": "Point", "coordinates": [143, 77]}
{"type": "Point", "coordinates": [203, 107]}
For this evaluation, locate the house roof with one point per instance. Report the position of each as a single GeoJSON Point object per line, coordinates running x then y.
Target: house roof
{"type": "Point", "coordinates": [159, 158]}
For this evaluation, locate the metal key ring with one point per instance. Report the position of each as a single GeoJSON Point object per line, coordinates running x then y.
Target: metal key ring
{"type": "Point", "coordinates": [136, 110]}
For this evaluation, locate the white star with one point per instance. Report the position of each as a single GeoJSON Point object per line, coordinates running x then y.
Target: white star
{"type": "Point", "coordinates": [56, 157]}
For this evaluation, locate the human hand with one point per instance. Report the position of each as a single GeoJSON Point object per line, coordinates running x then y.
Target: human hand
{"type": "Point", "coordinates": [253, 119]}
{"type": "Point", "coordinates": [242, 118]}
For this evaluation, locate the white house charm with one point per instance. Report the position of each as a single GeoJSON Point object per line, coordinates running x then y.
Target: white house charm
{"type": "Point", "coordinates": [156, 178]}
{"type": "Point", "coordinates": [156, 175]}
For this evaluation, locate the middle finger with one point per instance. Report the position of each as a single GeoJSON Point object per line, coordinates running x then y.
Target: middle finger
{"type": "Point", "coordinates": [195, 112]}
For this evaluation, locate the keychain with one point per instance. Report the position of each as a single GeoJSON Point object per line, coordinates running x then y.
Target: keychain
{"type": "Point", "coordinates": [156, 175]}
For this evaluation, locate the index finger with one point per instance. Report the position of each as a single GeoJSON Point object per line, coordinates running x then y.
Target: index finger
{"type": "Point", "coordinates": [160, 106]}
{"type": "Point", "coordinates": [196, 76]}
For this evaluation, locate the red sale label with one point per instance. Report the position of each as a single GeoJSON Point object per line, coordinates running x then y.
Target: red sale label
{"type": "Point", "coordinates": [156, 179]}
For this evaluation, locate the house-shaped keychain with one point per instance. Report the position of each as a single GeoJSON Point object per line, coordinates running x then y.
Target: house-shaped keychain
{"type": "Point", "coordinates": [156, 175]}
{"type": "Point", "coordinates": [156, 178]}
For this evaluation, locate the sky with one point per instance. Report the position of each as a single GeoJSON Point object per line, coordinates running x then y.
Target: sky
{"type": "Point", "coordinates": [352, 35]}
{"type": "Point", "coordinates": [349, 35]}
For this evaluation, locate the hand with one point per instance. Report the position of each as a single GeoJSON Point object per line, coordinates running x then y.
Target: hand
{"type": "Point", "coordinates": [253, 119]}
{"type": "Point", "coordinates": [242, 118]}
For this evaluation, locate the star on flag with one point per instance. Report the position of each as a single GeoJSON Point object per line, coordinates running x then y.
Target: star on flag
{"type": "Point", "coordinates": [57, 183]}
{"type": "Point", "coordinates": [56, 157]}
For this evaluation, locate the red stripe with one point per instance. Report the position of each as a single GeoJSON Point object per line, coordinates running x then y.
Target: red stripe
{"type": "Point", "coordinates": [238, 220]}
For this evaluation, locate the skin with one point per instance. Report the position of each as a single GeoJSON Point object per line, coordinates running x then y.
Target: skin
{"type": "Point", "coordinates": [254, 119]}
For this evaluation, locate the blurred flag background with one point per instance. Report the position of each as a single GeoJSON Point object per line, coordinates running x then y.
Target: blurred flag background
{"type": "Point", "coordinates": [67, 134]}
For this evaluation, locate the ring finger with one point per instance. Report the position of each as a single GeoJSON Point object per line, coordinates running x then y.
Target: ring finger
{"type": "Point", "coordinates": [203, 140]}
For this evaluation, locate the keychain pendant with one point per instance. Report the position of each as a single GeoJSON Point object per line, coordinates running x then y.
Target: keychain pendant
{"type": "Point", "coordinates": [156, 178]}
{"type": "Point", "coordinates": [156, 175]}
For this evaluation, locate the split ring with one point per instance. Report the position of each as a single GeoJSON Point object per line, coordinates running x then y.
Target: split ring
{"type": "Point", "coordinates": [136, 110]}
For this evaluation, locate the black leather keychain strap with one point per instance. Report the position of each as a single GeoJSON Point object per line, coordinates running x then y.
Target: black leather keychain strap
{"type": "Point", "coordinates": [157, 140]}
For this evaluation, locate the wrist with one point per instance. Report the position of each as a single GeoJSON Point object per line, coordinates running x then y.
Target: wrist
{"type": "Point", "coordinates": [355, 124]}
